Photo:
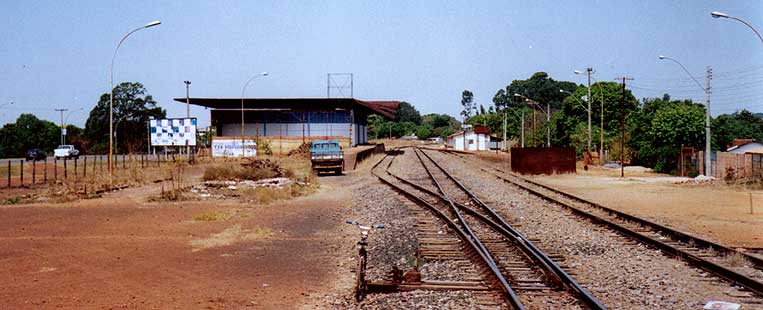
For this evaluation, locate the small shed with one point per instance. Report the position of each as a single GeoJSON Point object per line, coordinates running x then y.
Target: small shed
{"type": "Point", "coordinates": [472, 139]}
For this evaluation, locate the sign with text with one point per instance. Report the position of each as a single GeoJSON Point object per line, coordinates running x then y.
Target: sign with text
{"type": "Point", "coordinates": [232, 147]}
{"type": "Point", "coordinates": [173, 132]}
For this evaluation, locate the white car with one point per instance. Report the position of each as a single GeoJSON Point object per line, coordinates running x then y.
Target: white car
{"type": "Point", "coordinates": [66, 151]}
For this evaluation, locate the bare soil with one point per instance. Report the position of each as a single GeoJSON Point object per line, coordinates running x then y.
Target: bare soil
{"type": "Point", "coordinates": [120, 251]}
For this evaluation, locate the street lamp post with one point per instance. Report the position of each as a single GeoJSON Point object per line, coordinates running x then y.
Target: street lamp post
{"type": "Point", "coordinates": [724, 15]}
{"type": "Point", "coordinates": [548, 116]}
{"type": "Point", "coordinates": [7, 103]}
{"type": "Point", "coordinates": [111, 95]}
{"type": "Point", "coordinates": [589, 71]}
{"type": "Point", "coordinates": [64, 124]}
{"type": "Point", "coordinates": [707, 113]}
{"type": "Point", "coordinates": [243, 147]}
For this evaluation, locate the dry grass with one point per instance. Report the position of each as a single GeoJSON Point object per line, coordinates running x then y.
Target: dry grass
{"type": "Point", "coordinates": [290, 167]}
{"type": "Point", "coordinates": [212, 216]}
{"type": "Point", "coordinates": [369, 162]}
{"type": "Point", "coordinates": [230, 236]}
{"type": "Point", "coordinates": [267, 195]}
{"type": "Point", "coordinates": [736, 260]}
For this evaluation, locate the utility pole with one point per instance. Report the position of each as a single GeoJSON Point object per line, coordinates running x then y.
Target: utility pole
{"type": "Point", "coordinates": [505, 146]}
{"type": "Point", "coordinates": [589, 70]}
{"type": "Point", "coordinates": [622, 127]}
{"type": "Point", "coordinates": [708, 163]}
{"type": "Point", "coordinates": [523, 128]}
{"type": "Point", "coordinates": [188, 112]}
{"type": "Point", "coordinates": [63, 133]}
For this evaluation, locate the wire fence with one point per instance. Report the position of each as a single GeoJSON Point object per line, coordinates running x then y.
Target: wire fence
{"type": "Point", "coordinates": [30, 173]}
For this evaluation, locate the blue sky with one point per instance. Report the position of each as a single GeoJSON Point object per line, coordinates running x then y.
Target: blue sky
{"type": "Point", "coordinates": [56, 54]}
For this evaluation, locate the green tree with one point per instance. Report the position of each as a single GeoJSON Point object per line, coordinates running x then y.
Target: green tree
{"type": "Point", "coordinates": [467, 103]}
{"type": "Point", "coordinates": [738, 125]}
{"type": "Point", "coordinates": [539, 87]}
{"type": "Point", "coordinates": [28, 132]}
{"type": "Point", "coordinates": [574, 111]}
{"type": "Point", "coordinates": [425, 132]}
{"type": "Point", "coordinates": [408, 113]}
{"type": "Point", "coordinates": [672, 125]}
{"type": "Point", "coordinates": [132, 108]}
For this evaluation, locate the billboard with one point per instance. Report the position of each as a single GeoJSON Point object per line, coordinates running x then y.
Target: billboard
{"type": "Point", "coordinates": [231, 147]}
{"type": "Point", "coordinates": [173, 132]}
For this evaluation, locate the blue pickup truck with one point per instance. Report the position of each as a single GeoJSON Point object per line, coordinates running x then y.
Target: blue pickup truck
{"type": "Point", "coordinates": [326, 156]}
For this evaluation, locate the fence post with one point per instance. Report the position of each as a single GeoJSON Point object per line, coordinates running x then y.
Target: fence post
{"type": "Point", "coordinates": [34, 171]}
{"type": "Point", "coordinates": [124, 165]}
{"type": "Point", "coordinates": [751, 210]}
{"type": "Point", "coordinates": [22, 172]}
{"type": "Point", "coordinates": [75, 167]}
{"type": "Point", "coordinates": [45, 170]}
{"type": "Point", "coordinates": [66, 171]}
{"type": "Point", "coordinates": [9, 173]}
{"type": "Point", "coordinates": [55, 168]}
{"type": "Point", "coordinates": [84, 165]}
{"type": "Point", "coordinates": [141, 161]}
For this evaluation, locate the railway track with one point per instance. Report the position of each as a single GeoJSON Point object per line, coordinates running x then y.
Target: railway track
{"type": "Point", "coordinates": [738, 268]}
{"type": "Point", "coordinates": [514, 264]}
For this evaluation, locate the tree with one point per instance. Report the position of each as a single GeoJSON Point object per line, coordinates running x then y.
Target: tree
{"type": "Point", "coordinates": [670, 125]}
{"type": "Point", "coordinates": [28, 132]}
{"type": "Point", "coordinates": [407, 113]}
{"type": "Point", "coordinates": [132, 109]}
{"type": "Point", "coordinates": [573, 111]}
{"type": "Point", "coordinates": [539, 87]}
{"type": "Point", "coordinates": [467, 102]}
{"type": "Point", "coordinates": [738, 125]}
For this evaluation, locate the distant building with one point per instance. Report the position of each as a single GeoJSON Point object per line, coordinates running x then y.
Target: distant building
{"type": "Point", "coordinates": [473, 139]}
{"type": "Point", "coordinates": [742, 146]}
{"type": "Point", "coordinates": [286, 123]}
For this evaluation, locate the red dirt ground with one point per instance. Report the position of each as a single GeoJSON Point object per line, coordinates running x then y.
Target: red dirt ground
{"type": "Point", "coordinates": [122, 252]}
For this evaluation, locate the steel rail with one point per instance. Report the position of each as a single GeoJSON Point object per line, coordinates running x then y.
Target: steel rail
{"type": "Point", "coordinates": [551, 267]}
{"type": "Point", "coordinates": [728, 274]}
{"type": "Point", "coordinates": [511, 296]}
{"type": "Point", "coordinates": [702, 243]}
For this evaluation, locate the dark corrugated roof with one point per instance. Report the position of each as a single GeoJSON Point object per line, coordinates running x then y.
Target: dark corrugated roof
{"type": "Point", "coordinates": [387, 109]}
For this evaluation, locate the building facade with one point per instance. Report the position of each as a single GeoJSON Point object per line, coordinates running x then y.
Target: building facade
{"type": "Point", "coordinates": [476, 139]}
{"type": "Point", "coordinates": [286, 123]}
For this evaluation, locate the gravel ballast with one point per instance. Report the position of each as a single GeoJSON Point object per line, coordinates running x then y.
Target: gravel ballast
{"type": "Point", "coordinates": [623, 274]}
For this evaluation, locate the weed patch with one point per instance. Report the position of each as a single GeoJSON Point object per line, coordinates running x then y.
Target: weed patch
{"type": "Point", "coordinates": [212, 216]}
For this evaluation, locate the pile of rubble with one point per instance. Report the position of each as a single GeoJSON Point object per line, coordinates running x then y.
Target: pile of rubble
{"type": "Point", "coordinates": [700, 179]}
{"type": "Point", "coordinates": [211, 189]}
{"type": "Point", "coordinates": [303, 151]}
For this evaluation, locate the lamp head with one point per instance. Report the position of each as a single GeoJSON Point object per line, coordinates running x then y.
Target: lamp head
{"type": "Point", "coordinates": [517, 95]}
{"type": "Point", "coordinates": [719, 15]}
{"type": "Point", "coordinates": [153, 23]}
{"type": "Point", "coordinates": [265, 73]}
{"type": "Point", "coordinates": [561, 90]}
{"type": "Point", "coordinates": [661, 57]}
{"type": "Point", "coordinates": [578, 72]}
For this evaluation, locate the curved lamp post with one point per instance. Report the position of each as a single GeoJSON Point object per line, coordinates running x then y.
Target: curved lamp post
{"type": "Point", "coordinates": [724, 15]}
{"type": "Point", "coordinates": [7, 103]}
{"type": "Point", "coordinates": [548, 116]}
{"type": "Point", "coordinates": [63, 124]}
{"type": "Point", "coordinates": [707, 113]}
{"type": "Point", "coordinates": [243, 148]}
{"type": "Point", "coordinates": [111, 94]}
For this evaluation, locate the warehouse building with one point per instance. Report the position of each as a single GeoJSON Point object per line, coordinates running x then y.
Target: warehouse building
{"type": "Point", "coordinates": [286, 123]}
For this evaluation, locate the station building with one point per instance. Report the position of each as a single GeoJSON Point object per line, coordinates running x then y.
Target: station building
{"type": "Point", "coordinates": [286, 123]}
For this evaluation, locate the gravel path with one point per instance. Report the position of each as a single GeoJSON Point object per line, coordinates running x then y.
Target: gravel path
{"type": "Point", "coordinates": [621, 273]}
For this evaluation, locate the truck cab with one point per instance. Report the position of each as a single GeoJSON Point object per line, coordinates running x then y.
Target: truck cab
{"type": "Point", "coordinates": [326, 156]}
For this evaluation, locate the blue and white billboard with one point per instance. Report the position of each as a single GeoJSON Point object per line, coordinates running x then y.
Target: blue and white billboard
{"type": "Point", "coordinates": [173, 132]}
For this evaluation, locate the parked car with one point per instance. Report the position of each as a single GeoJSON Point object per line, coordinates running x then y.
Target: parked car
{"type": "Point", "coordinates": [326, 155]}
{"type": "Point", "coordinates": [66, 151]}
{"type": "Point", "coordinates": [35, 154]}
